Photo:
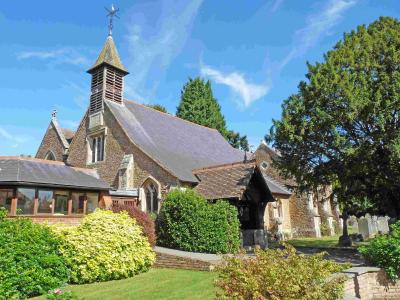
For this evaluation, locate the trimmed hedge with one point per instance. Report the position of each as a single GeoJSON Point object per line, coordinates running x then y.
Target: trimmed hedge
{"type": "Point", "coordinates": [384, 251]}
{"type": "Point", "coordinates": [105, 246]}
{"type": "Point", "coordinates": [142, 218]}
{"type": "Point", "coordinates": [188, 222]}
{"type": "Point", "coordinates": [30, 261]}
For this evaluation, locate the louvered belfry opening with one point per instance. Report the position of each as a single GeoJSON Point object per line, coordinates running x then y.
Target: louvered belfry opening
{"type": "Point", "coordinates": [96, 97]}
{"type": "Point", "coordinates": [114, 85]}
{"type": "Point", "coordinates": [107, 77]}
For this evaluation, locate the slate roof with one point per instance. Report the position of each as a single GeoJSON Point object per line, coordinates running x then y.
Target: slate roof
{"type": "Point", "coordinates": [224, 181]}
{"type": "Point", "coordinates": [32, 171]}
{"type": "Point", "coordinates": [275, 187]}
{"type": "Point", "coordinates": [177, 145]}
{"type": "Point", "coordinates": [109, 55]}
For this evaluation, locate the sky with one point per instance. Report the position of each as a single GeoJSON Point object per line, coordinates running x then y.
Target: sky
{"type": "Point", "coordinates": [254, 53]}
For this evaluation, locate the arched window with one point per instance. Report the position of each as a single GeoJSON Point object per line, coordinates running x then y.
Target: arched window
{"type": "Point", "coordinates": [50, 156]}
{"type": "Point", "coordinates": [151, 192]}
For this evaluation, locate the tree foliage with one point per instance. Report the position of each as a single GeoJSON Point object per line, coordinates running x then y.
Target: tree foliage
{"type": "Point", "coordinates": [343, 125]}
{"type": "Point", "coordinates": [158, 107]}
{"type": "Point", "coordinates": [199, 106]}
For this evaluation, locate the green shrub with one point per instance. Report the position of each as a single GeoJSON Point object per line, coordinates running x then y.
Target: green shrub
{"type": "Point", "coordinates": [30, 262]}
{"type": "Point", "coordinates": [384, 251]}
{"type": "Point", "coordinates": [279, 274]}
{"type": "Point", "coordinates": [105, 246]}
{"type": "Point", "coordinates": [188, 222]}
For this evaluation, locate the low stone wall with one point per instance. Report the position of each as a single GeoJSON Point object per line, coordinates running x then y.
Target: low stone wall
{"type": "Point", "coordinates": [370, 283]}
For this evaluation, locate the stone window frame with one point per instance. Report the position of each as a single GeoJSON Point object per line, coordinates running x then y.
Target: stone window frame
{"type": "Point", "coordinates": [50, 156]}
{"type": "Point", "coordinates": [145, 186]}
{"type": "Point", "coordinates": [89, 141]}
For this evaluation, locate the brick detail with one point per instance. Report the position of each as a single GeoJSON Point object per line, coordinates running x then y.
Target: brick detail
{"type": "Point", "coordinates": [370, 285]}
{"type": "Point", "coordinates": [176, 262]}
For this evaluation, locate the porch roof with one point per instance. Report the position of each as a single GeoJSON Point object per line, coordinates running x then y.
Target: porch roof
{"type": "Point", "coordinates": [39, 172]}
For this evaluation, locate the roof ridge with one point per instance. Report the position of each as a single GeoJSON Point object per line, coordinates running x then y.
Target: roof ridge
{"type": "Point", "coordinates": [19, 158]}
{"type": "Point", "coordinates": [170, 115]}
{"type": "Point", "coordinates": [225, 166]}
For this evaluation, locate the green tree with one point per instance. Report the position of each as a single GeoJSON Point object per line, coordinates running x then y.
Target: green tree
{"type": "Point", "coordinates": [343, 125]}
{"type": "Point", "coordinates": [158, 107]}
{"type": "Point", "coordinates": [199, 106]}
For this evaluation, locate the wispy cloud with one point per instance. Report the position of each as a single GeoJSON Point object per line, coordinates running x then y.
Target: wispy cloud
{"type": "Point", "coordinates": [58, 56]}
{"type": "Point", "coordinates": [15, 140]}
{"type": "Point", "coordinates": [276, 4]}
{"type": "Point", "coordinates": [317, 26]}
{"type": "Point", "coordinates": [247, 91]}
{"type": "Point", "coordinates": [154, 44]}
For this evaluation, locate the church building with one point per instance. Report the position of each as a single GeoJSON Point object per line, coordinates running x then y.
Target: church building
{"type": "Point", "coordinates": [143, 153]}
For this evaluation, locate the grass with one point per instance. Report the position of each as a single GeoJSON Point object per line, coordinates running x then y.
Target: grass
{"type": "Point", "coordinates": [322, 242]}
{"type": "Point", "coordinates": [155, 284]}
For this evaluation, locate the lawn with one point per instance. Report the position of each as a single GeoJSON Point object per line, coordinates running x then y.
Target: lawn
{"type": "Point", "coordinates": [322, 242]}
{"type": "Point", "coordinates": [155, 284]}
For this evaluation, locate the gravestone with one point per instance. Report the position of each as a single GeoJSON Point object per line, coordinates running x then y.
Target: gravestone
{"type": "Point", "coordinates": [374, 225]}
{"type": "Point", "coordinates": [383, 225]}
{"type": "Point", "coordinates": [365, 227]}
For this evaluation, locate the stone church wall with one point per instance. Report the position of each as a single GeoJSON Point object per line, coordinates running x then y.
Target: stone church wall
{"type": "Point", "coordinates": [116, 146]}
{"type": "Point", "coordinates": [51, 142]}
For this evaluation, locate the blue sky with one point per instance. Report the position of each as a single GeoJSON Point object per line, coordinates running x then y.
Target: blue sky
{"type": "Point", "coordinates": [254, 52]}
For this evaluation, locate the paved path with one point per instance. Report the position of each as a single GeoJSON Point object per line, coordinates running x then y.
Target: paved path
{"type": "Point", "coordinates": [336, 254]}
{"type": "Point", "coordinates": [211, 258]}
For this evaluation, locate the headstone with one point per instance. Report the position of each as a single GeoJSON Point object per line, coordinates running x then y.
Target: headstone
{"type": "Point", "coordinates": [383, 225]}
{"type": "Point", "coordinates": [374, 225]}
{"type": "Point", "coordinates": [365, 227]}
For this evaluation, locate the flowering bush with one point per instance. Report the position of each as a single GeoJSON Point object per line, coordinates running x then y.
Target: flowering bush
{"type": "Point", "coordinates": [279, 274]}
{"type": "Point", "coordinates": [384, 251]}
{"type": "Point", "coordinates": [30, 261]}
{"type": "Point", "coordinates": [59, 294]}
{"type": "Point", "coordinates": [105, 246]}
{"type": "Point", "coordinates": [188, 222]}
{"type": "Point", "coordinates": [143, 219]}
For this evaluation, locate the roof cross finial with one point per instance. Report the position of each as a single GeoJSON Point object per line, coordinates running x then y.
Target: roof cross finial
{"type": "Point", "coordinates": [54, 114]}
{"type": "Point", "coordinates": [111, 14]}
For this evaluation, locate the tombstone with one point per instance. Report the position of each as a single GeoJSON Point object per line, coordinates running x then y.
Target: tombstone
{"type": "Point", "coordinates": [365, 227]}
{"type": "Point", "coordinates": [374, 225]}
{"type": "Point", "coordinates": [383, 225]}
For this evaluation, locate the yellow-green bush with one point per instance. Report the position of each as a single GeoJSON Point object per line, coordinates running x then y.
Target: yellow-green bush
{"type": "Point", "coordinates": [105, 246]}
{"type": "Point", "coordinates": [280, 274]}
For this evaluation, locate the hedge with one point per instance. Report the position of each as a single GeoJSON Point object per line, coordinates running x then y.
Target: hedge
{"type": "Point", "coordinates": [30, 261]}
{"type": "Point", "coordinates": [142, 218]}
{"type": "Point", "coordinates": [188, 222]}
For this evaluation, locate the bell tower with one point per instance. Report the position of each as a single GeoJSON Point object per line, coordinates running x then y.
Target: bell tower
{"type": "Point", "coordinates": [107, 73]}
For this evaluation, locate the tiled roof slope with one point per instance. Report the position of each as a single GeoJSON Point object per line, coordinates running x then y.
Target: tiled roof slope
{"type": "Point", "coordinates": [48, 173]}
{"type": "Point", "coordinates": [109, 55]}
{"type": "Point", "coordinates": [177, 145]}
{"type": "Point", "coordinates": [226, 181]}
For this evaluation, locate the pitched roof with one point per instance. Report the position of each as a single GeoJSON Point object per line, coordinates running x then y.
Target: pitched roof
{"type": "Point", "coordinates": [68, 134]}
{"type": "Point", "coordinates": [224, 181]}
{"type": "Point", "coordinates": [177, 145]}
{"type": "Point", "coordinates": [32, 171]}
{"type": "Point", "coordinates": [275, 187]}
{"type": "Point", "coordinates": [60, 133]}
{"type": "Point", "coordinates": [109, 55]}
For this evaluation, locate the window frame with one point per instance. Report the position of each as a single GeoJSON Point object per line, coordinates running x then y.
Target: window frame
{"type": "Point", "coordinates": [97, 144]}
{"type": "Point", "coordinates": [38, 190]}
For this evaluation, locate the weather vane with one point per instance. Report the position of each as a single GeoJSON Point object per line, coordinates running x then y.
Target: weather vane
{"type": "Point", "coordinates": [111, 14]}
